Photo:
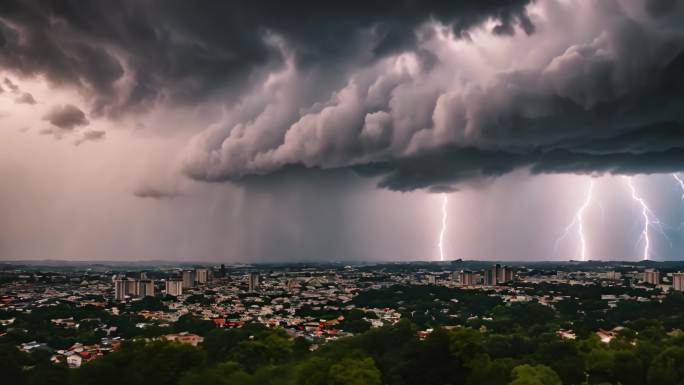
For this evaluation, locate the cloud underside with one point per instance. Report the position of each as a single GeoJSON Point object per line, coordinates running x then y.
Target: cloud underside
{"type": "Point", "coordinates": [128, 55]}
{"type": "Point", "coordinates": [418, 94]}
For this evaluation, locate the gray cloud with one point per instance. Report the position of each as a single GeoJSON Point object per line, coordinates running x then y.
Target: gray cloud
{"type": "Point", "coordinates": [176, 52]}
{"type": "Point", "coordinates": [612, 104]}
{"type": "Point", "coordinates": [66, 117]}
{"type": "Point", "coordinates": [11, 86]}
{"type": "Point", "coordinates": [157, 192]}
{"type": "Point", "coordinates": [25, 98]}
{"type": "Point", "coordinates": [375, 87]}
{"type": "Point", "coordinates": [90, 135]}
{"type": "Point", "coordinates": [659, 8]}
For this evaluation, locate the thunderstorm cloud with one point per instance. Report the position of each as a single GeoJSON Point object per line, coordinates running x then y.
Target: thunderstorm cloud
{"type": "Point", "coordinates": [66, 116]}
{"type": "Point", "coordinates": [423, 94]}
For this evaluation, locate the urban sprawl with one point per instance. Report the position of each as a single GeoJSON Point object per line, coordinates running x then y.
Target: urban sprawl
{"type": "Point", "coordinates": [96, 307]}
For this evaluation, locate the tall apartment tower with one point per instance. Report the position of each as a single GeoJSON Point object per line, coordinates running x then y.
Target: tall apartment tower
{"type": "Point", "coordinates": [189, 278]}
{"type": "Point", "coordinates": [466, 278]}
{"type": "Point", "coordinates": [492, 275]}
{"type": "Point", "coordinates": [145, 288]}
{"type": "Point", "coordinates": [253, 282]}
{"type": "Point", "coordinates": [652, 276]}
{"type": "Point", "coordinates": [678, 281]}
{"type": "Point", "coordinates": [505, 274]}
{"type": "Point", "coordinates": [120, 289]}
{"type": "Point", "coordinates": [174, 287]}
{"type": "Point", "coordinates": [202, 276]}
{"type": "Point", "coordinates": [132, 287]}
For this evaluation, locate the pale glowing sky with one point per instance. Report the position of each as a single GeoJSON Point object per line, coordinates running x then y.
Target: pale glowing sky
{"type": "Point", "coordinates": [158, 132]}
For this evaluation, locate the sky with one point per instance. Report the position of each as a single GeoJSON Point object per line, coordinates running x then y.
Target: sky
{"type": "Point", "coordinates": [299, 131]}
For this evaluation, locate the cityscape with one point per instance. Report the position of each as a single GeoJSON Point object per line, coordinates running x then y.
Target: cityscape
{"type": "Point", "coordinates": [74, 314]}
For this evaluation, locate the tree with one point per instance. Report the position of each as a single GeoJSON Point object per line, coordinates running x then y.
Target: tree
{"type": "Point", "coordinates": [534, 375]}
{"type": "Point", "coordinates": [11, 362]}
{"type": "Point", "coordinates": [667, 368]}
{"type": "Point", "coordinates": [219, 342]}
{"type": "Point", "coordinates": [47, 374]}
{"type": "Point", "coordinates": [192, 324]}
{"type": "Point", "coordinates": [628, 368]}
{"type": "Point", "coordinates": [354, 372]}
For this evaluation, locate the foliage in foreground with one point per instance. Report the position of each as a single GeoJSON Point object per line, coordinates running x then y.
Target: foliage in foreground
{"type": "Point", "coordinates": [642, 354]}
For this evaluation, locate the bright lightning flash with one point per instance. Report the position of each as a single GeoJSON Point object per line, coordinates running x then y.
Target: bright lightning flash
{"type": "Point", "coordinates": [680, 181]}
{"type": "Point", "coordinates": [578, 220]}
{"type": "Point", "coordinates": [649, 218]}
{"type": "Point", "coordinates": [445, 201]}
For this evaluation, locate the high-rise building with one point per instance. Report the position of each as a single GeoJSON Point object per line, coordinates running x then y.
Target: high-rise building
{"type": "Point", "coordinates": [678, 281]}
{"type": "Point", "coordinates": [202, 276]}
{"type": "Point", "coordinates": [431, 279]}
{"type": "Point", "coordinates": [490, 277]}
{"type": "Point", "coordinates": [616, 276]}
{"type": "Point", "coordinates": [120, 289]}
{"type": "Point", "coordinates": [500, 274]}
{"type": "Point", "coordinates": [132, 287]}
{"type": "Point", "coordinates": [174, 287]}
{"type": "Point", "coordinates": [493, 275]}
{"type": "Point", "coordinates": [219, 272]}
{"type": "Point", "coordinates": [145, 288]}
{"type": "Point", "coordinates": [466, 278]}
{"type": "Point", "coordinates": [143, 275]}
{"type": "Point", "coordinates": [253, 282]}
{"type": "Point", "coordinates": [652, 276]}
{"type": "Point", "coordinates": [506, 274]}
{"type": "Point", "coordinates": [189, 278]}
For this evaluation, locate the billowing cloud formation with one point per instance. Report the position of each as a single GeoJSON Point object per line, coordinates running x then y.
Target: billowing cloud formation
{"type": "Point", "coordinates": [66, 117]}
{"type": "Point", "coordinates": [129, 54]}
{"type": "Point", "coordinates": [418, 94]}
{"type": "Point", "coordinates": [25, 98]}
{"type": "Point", "coordinates": [607, 98]}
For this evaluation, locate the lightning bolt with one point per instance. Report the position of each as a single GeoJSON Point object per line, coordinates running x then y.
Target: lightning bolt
{"type": "Point", "coordinates": [578, 221]}
{"type": "Point", "coordinates": [649, 220]}
{"type": "Point", "coordinates": [680, 181]}
{"type": "Point", "coordinates": [445, 201]}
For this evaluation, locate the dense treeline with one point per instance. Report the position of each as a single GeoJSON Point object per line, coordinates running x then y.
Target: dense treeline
{"type": "Point", "coordinates": [642, 353]}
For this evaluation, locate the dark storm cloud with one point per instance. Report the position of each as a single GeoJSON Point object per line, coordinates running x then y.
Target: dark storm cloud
{"type": "Point", "coordinates": [183, 51]}
{"type": "Point", "coordinates": [66, 117]}
{"type": "Point", "coordinates": [661, 150]}
{"type": "Point", "coordinates": [659, 8]}
{"type": "Point", "coordinates": [370, 86]}
{"type": "Point", "coordinates": [610, 105]}
{"type": "Point", "coordinates": [25, 98]}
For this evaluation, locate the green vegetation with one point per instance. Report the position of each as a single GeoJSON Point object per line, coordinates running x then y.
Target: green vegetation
{"type": "Point", "coordinates": [641, 354]}
{"type": "Point", "coordinates": [481, 340]}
